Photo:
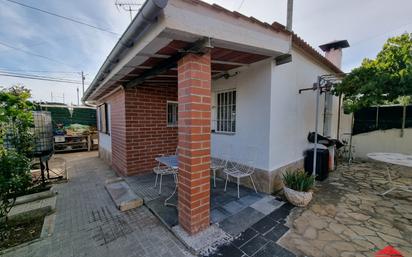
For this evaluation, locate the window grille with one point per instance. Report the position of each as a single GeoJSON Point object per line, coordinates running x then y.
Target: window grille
{"type": "Point", "coordinates": [172, 116]}
{"type": "Point", "coordinates": [226, 112]}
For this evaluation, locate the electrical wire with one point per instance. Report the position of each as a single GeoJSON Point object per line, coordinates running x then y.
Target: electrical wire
{"type": "Point", "coordinates": [38, 71]}
{"type": "Point", "coordinates": [31, 53]}
{"type": "Point", "coordinates": [63, 17]}
{"type": "Point", "coordinates": [38, 77]}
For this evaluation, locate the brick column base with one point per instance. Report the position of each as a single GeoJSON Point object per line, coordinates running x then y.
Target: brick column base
{"type": "Point", "coordinates": [194, 86]}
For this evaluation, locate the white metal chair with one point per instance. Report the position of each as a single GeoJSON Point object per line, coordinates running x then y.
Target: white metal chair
{"type": "Point", "coordinates": [215, 165]}
{"type": "Point", "coordinates": [238, 170]}
{"type": "Point", "coordinates": [163, 170]}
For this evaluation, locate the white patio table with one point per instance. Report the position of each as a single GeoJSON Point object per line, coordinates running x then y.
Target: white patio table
{"type": "Point", "coordinates": [393, 159]}
{"type": "Point", "coordinates": [170, 161]}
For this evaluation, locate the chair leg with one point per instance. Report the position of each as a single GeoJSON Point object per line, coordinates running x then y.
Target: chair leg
{"type": "Point", "coordinates": [227, 177]}
{"type": "Point", "coordinates": [160, 189]}
{"type": "Point", "coordinates": [156, 180]}
{"type": "Point", "coordinates": [238, 180]}
{"type": "Point", "coordinates": [214, 178]}
{"type": "Point", "coordinates": [253, 183]}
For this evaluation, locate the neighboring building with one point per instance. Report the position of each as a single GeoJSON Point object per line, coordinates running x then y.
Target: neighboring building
{"type": "Point", "coordinates": [197, 76]}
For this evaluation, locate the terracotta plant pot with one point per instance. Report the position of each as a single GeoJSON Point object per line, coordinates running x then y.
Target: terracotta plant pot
{"type": "Point", "coordinates": [297, 198]}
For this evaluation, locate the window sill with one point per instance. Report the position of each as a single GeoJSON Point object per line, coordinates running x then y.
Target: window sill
{"type": "Point", "coordinates": [172, 126]}
{"type": "Point", "coordinates": [223, 133]}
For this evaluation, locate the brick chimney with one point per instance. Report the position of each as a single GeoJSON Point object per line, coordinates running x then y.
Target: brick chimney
{"type": "Point", "coordinates": [333, 51]}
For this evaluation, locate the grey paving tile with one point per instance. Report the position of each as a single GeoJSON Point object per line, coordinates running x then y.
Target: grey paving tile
{"type": "Point", "coordinates": [267, 204]}
{"type": "Point", "coordinates": [250, 199]}
{"type": "Point", "coordinates": [281, 213]}
{"type": "Point", "coordinates": [277, 232]}
{"type": "Point", "coordinates": [227, 251]}
{"type": "Point", "coordinates": [247, 235]}
{"type": "Point", "coordinates": [264, 225]}
{"type": "Point", "coordinates": [254, 245]}
{"type": "Point", "coordinates": [236, 224]}
{"type": "Point", "coordinates": [218, 214]}
{"type": "Point", "coordinates": [273, 250]}
{"type": "Point", "coordinates": [233, 207]}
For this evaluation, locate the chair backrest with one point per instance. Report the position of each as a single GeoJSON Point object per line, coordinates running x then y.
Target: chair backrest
{"type": "Point", "coordinates": [248, 161]}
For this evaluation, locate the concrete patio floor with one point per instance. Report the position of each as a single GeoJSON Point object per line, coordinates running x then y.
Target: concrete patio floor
{"type": "Point", "coordinates": [254, 222]}
{"type": "Point", "coordinates": [88, 223]}
{"type": "Point", "coordinates": [348, 218]}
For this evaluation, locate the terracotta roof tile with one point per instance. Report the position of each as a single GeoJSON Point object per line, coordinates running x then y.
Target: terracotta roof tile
{"type": "Point", "coordinates": [275, 26]}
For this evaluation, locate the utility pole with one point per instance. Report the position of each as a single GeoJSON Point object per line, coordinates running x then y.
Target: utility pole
{"type": "Point", "coordinates": [78, 97]}
{"type": "Point", "coordinates": [83, 78]}
{"type": "Point", "coordinates": [51, 96]}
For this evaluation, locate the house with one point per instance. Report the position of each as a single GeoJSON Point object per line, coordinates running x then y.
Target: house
{"type": "Point", "coordinates": [212, 82]}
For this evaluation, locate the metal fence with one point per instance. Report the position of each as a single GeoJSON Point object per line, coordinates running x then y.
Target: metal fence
{"type": "Point", "coordinates": [382, 118]}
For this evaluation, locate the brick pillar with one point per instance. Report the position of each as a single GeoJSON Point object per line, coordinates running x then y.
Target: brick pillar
{"type": "Point", "coordinates": [194, 86]}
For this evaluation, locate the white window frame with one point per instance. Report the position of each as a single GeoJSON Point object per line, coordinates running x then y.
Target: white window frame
{"type": "Point", "coordinates": [226, 110]}
{"type": "Point", "coordinates": [175, 123]}
{"type": "Point", "coordinates": [103, 115]}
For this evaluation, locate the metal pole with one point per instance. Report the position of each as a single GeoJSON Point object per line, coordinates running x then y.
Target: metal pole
{"type": "Point", "coordinates": [289, 15]}
{"type": "Point", "coordinates": [315, 149]}
{"type": "Point", "coordinates": [83, 83]}
{"type": "Point", "coordinates": [350, 139]}
{"type": "Point", "coordinates": [339, 113]}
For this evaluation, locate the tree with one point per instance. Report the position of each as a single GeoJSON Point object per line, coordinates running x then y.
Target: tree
{"type": "Point", "coordinates": [381, 80]}
{"type": "Point", "coordinates": [16, 144]}
{"type": "Point", "coordinates": [16, 119]}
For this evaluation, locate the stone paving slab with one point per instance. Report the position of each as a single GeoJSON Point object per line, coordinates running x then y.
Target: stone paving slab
{"type": "Point", "coordinates": [87, 222]}
{"type": "Point", "coordinates": [260, 236]}
{"type": "Point", "coordinates": [124, 198]}
{"type": "Point", "coordinates": [348, 217]}
{"type": "Point", "coordinates": [49, 202]}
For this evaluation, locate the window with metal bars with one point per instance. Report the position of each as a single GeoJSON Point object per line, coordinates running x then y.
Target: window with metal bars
{"type": "Point", "coordinates": [226, 112]}
{"type": "Point", "coordinates": [172, 115]}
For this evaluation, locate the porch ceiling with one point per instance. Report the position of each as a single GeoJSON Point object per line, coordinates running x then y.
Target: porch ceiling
{"type": "Point", "coordinates": [222, 60]}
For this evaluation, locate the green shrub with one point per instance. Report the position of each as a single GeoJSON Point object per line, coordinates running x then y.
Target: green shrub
{"type": "Point", "coordinates": [298, 180]}
{"type": "Point", "coordinates": [15, 178]}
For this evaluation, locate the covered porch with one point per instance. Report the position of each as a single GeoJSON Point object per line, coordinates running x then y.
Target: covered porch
{"type": "Point", "coordinates": [174, 65]}
{"type": "Point", "coordinates": [250, 222]}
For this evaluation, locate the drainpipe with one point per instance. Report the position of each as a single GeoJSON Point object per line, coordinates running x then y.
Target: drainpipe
{"type": "Point", "coordinates": [147, 15]}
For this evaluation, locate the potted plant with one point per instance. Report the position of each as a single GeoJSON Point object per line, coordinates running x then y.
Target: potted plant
{"type": "Point", "coordinates": [298, 185]}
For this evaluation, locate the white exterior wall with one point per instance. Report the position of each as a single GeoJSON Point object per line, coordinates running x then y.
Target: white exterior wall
{"type": "Point", "coordinates": [292, 115]}
{"type": "Point", "coordinates": [383, 141]}
{"type": "Point", "coordinates": [252, 86]}
{"type": "Point", "coordinates": [271, 115]}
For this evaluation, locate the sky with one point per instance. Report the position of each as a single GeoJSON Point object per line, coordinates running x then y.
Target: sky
{"type": "Point", "coordinates": [68, 48]}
